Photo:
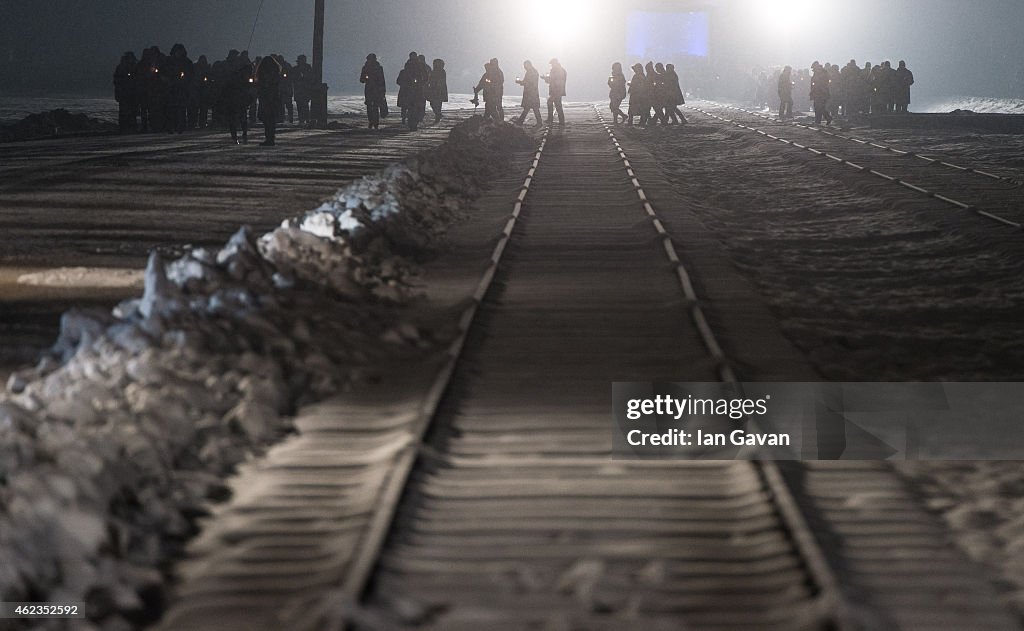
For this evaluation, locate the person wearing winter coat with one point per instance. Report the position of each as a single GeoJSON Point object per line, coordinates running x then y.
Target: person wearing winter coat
{"type": "Point", "coordinates": [903, 79]}
{"type": "Point", "coordinates": [786, 93]}
{"type": "Point", "coordinates": [639, 105]}
{"type": "Point", "coordinates": [125, 94]}
{"type": "Point", "coordinates": [302, 86]}
{"type": "Point", "coordinates": [820, 94]}
{"type": "Point", "coordinates": [531, 93]}
{"type": "Point", "coordinates": [673, 95]}
{"type": "Point", "coordinates": [269, 76]}
{"type": "Point", "coordinates": [233, 78]}
{"type": "Point", "coordinates": [374, 90]}
{"type": "Point", "coordinates": [556, 80]}
{"type": "Point", "coordinates": [437, 89]}
{"type": "Point", "coordinates": [490, 85]}
{"type": "Point", "coordinates": [617, 92]}
{"type": "Point", "coordinates": [177, 73]}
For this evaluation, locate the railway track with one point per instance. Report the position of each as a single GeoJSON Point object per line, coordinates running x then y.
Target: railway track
{"type": "Point", "coordinates": [495, 503]}
{"type": "Point", "coordinates": [990, 196]}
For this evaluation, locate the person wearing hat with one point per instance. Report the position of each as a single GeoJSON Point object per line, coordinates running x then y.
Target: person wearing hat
{"type": "Point", "coordinates": [375, 91]}
{"type": "Point", "coordinates": [617, 92]}
{"type": "Point", "coordinates": [268, 86]}
{"type": "Point", "coordinates": [556, 91]}
{"type": "Point", "coordinates": [531, 94]}
{"type": "Point", "coordinates": [302, 82]}
{"type": "Point", "coordinates": [639, 105]}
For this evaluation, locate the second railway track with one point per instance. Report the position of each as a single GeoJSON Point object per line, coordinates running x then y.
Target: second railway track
{"type": "Point", "coordinates": [992, 197]}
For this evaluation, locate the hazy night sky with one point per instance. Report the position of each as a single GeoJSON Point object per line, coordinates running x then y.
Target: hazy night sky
{"type": "Point", "coordinates": [72, 46]}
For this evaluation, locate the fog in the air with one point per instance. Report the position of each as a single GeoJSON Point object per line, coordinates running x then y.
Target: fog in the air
{"type": "Point", "coordinates": [954, 47]}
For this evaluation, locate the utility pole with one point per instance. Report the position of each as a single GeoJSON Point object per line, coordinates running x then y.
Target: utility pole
{"type": "Point", "coordinates": [320, 98]}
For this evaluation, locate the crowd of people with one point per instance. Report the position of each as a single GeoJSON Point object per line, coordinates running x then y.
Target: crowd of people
{"type": "Point", "coordinates": [492, 87]}
{"type": "Point", "coordinates": [418, 84]}
{"type": "Point", "coordinates": [849, 91]}
{"type": "Point", "coordinates": [172, 94]}
{"type": "Point", "coordinates": [654, 94]}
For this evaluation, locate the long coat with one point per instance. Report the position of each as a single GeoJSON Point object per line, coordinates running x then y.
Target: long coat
{"type": "Point", "coordinates": [437, 86]}
{"type": "Point", "coordinates": [403, 87]}
{"type": "Point", "coordinates": [673, 92]}
{"type": "Point", "coordinates": [531, 89]}
{"type": "Point", "coordinates": [819, 86]}
{"type": "Point", "coordinates": [639, 98]}
{"type": "Point", "coordinates": [412, 82]}
{"type": "Point", "coordinates": [376, 87]}
{"type": "Point", "coordinates": [556, 82]}
{"type": "Point", "coordinates": [904, 79]}
{"type": "Point", "coordinates": [124, 82]}
{"type": "Point", "coordinates": [617, 87]}
{"type": "Point", "coordinates": [235, 91]}
{"type": "Point", "coordinates": [268, 87]}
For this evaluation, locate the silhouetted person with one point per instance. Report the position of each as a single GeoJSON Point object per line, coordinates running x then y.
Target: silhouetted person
{"type": "Point", "coordinates": [151, 92]}
{"type": "Point", "coordinates": [199, 95]}
{"type": "Point", "coordinates": [656, 79]}
{"type": "Point", "coordinates": [489, 86]}
{"type": "Point", "coordinates": [177, 71]}
{"type": "Point", "coordinates": [125, 93]}
{"type": "Point", "coordinates": [254, 104]}
{"type": "Point", "coordinates": [499, 88]}
{"type": "Point", "coordinates": [835, 88]}
{"type": "Point", "coordinates": [425, 72]}
{"type": "Point", "coordinates": [268, 86]}
{"type": "Point", "coordinates": [820, 94]}
{"type": "Point", "coordinates": [531, 93]}
{"type": "Point", "coordinates": [287, 111]}
{"type": "Point", "coordinates": [617, 92]}
{"type": "Point", "coordinates": [877, 90]}
{"type": "Point", "coordinates": [556, 79]}
{"type": "Point", "coordinates": [302, 86]}
{"type": "Point", "coordinates": [849, 78]}
{"type": "Point", "coordinates": [405, 87]}
{"type": "Point", "coordinates": [888, 86]}
{"type": "Point", "coordinates": [638, 89]}
{"type": "Point", "coordinates": [375, 90]}
{"type": "Point", "coordinates": [235, 94]}
{"type": "Point", "coordinates": [903, 79]}
{"type": "Point", "coordinates": [786, 93]}
{"type": "Point", "coordinates": [415, 90]}
{"type": "Point", "coordinates": [674, 95]}
{"type": "Point", "coordinates": [437, 89]}
{"type": "Point", "coordinates": [865, 89]}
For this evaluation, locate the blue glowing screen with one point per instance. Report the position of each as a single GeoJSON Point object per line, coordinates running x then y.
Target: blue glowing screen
{"type": "Point", "coordinates": [663, 36]}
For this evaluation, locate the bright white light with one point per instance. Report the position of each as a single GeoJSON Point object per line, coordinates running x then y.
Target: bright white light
{"type": "Point", "coordinates": [557, 24]}
{"type": "Point", "coordinates": [784, 16]}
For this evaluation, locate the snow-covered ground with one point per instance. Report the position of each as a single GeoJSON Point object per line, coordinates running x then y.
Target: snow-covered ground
{"type": "Point", "coordinates": [14, 108]}
{"type": "Point", "coordinates": [979, 104]}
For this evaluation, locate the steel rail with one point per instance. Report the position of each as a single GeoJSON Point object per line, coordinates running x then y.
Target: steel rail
{"type": "Point", "coordinates": [803, 539]}
{"type": "Point", "coordinates": [360, 570]}
{"type": "Point", "coordinates": [874, 172]}
{"type": "Point", "coordinates": [877, 145]}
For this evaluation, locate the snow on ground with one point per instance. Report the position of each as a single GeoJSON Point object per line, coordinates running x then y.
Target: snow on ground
{"type": "Point", "coordinates": [978, 104]}
{"type": "Point", "coordinates": [79, 277]}
{"type": "Point", "coordinates": [872, 285]}
{"type": "Point", "coordinates": [15, 108]}
{"type": "Point", "coordinates": [121, 436]}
